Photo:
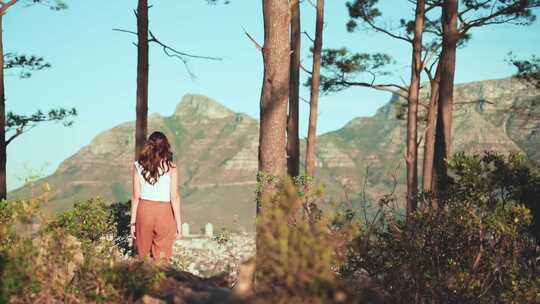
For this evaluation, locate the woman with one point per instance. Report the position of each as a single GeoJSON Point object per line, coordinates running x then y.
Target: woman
{"type": "Point", "coordinates": [155, 204]}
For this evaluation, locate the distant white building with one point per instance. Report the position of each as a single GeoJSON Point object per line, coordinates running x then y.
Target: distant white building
{"type": "Point", "coordinates": [209, 230]}
{"type": "Point", "coordinates": [185, 229]}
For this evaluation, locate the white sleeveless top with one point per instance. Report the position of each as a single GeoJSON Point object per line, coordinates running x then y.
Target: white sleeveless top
{"type": "Point", "coordinates": [160, 191]}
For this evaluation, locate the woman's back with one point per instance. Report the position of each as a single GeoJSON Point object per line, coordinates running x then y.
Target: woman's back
{"type": "Point", "coordinates": [159, 191]}
{"type": "Point", "coordinates": [155, 202]}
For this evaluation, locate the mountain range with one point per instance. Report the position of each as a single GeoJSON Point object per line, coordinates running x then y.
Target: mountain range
{"type": "Point", "coordinates": [216, 152]}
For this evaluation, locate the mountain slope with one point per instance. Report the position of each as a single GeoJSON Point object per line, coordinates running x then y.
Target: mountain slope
{"type": "Point", "coordinates": [216, 151]}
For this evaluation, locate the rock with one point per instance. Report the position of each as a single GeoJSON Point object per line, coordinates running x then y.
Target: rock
{"type": "Point", "coordinates": [147, 299]}
{"type": "Point", "coordinates": [329, 155]}
{"type": "Point", "coordinates": [207, 258]}
{"type": "Point", "coordinates": [200, 106]}
{"type": "Point", "coordinates": [246, 158]}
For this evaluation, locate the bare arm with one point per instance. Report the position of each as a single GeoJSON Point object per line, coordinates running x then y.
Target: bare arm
{"type": "Point", "coordinates": [175, 199]}
{"type": "Point", "coordinates": [134, 198]}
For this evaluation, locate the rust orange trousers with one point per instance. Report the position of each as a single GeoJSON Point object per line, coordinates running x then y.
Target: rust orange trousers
{"type": "Point", "coordinates": [155, 229]}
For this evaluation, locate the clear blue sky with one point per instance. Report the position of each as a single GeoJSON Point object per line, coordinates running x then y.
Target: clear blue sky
{"type": "Point", "coordinates": [94, 68]}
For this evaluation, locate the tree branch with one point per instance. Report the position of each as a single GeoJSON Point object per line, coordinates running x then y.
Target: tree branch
{"type": "Point", "coordinates": [5, 6]}
{"type": "Point", "coordinates": [257, 45]}
{"type": "Point", "coordinates": [124, 31]}
{"type": "Point", "coordinates": [473, 101]}
{"type": "Point", "coordinates": [312, 3]}
{"type": "Point", "coordinates": [180, 53]}
{"type": "Point", "coordinates": [304, 69]}
{"type": "Point", "coordinates": [401, 91]}
{"type": "Point", "coordinates": [171, 52]}
{"type": "Point", "coordinates": [309, 37]}
{"type": "Point", "coordinates": [305, 100]}
{"type": "Point", "coordinates": [510, 9]}
{"type": "Point", "coordinates": [19, 132]}
{"type": "Point", "coordinates": [387, 32]}
{"type": "Point", "coordinates": [154, 39]}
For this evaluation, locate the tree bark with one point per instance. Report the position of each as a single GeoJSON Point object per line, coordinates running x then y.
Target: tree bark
{"type": "Point", "coordinates": [275, 91]}
{"type": "Point", "coordinates": [141, 123]}
{"type": "Point", "coordinates": [314, 95]}
{"type": "Point", "coordinates": [447, 62]}
{"type": "Point", "coordinates": [3, 145]}
{"type": "Point", "coordinates": [412, 114]}
{"type": "Point", "coordinates": [429, 137]}
{"type": "Point", "coordinates": [293, 141]}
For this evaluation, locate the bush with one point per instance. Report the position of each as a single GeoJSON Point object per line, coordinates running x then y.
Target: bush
{"type": "Point", "coordinates": [493, 180]}
{"type": "Point", "coordinates": [71, 260]}
{"type": "Point", "coordinates": [11, 214]}
{"type": "Point", "coordinates": [41, 268]}
{"type": "Point", "coordinates": [296, 254]}
{"type": "Point", "coordinates": [473, 246]}
{"type": "Point", "coordinates": [120, 213]}
{"type": "Point", "coordinates": [92, 222]}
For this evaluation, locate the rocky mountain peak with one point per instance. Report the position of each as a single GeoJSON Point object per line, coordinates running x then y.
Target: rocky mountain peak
{"type": "Point", "coordinates": [193, 105]}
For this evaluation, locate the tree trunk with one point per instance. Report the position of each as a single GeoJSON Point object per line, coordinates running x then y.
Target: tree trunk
{"type": "Point", "coordinates": [275, 91]}
{"type": "Point", "coordinates": [315, 85]}
{"type": "Point", "coordinates": [429, 137]}
{"type": "Point", "coordinates": [293, 141]}
{"type": "Point", "coordinates": [447, 63]}
{"type": "Point", "coordinates": [412, 114]}
{"type": "Point", "coordinates": [141, 123]}
{"type": "Point", "coordinates": [3, 146]}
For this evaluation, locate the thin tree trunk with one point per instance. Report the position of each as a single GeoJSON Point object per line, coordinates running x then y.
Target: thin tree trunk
{"type": "Point", "coordinates": [429, 137]}
{"type": "Point", "coordinates": [412, 115]}
{"type": "Point", "coordinates": [293, 141]}
{"type": "Point", "coordinates": [315, 85]}
{"type": "Point", "coordinates": [3, 146]}
{"type": "Point", "coordinates": [447, 62]}
{"type": "Point", "coordinates": [141, 123]}
{"type": "Point", "coordinates": [275, 92]}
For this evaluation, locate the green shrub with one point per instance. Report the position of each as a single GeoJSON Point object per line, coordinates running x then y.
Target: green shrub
{"type": "Point", "coordinates": [296, 254]}
{"type": "Point", "coordinates": [72, 259]}
{"type": "Point", "coordinates": [41, 268]}
{"type": "Point", "coordinates": [92, 222]}
{"type": "Point", "coordinates": [120, 213]}
{"type": "Point", "coordinates": [11, 214]}
{"type": "Point", "coordinates": [223, 237]}
{"type": "Point", "coordinates": [492, 180]}
{"type": "Point", "coordinates": [473, 246]}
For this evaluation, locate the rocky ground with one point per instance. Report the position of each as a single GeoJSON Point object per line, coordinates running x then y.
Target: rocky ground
{"type": "Point", "coordinates": [210, 257]}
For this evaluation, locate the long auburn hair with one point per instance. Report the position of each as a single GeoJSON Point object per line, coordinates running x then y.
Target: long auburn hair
{"type": "Point", "coordinates": [156, 157]}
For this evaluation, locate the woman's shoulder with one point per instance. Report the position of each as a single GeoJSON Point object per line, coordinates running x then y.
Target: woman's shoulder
{"type": "Point", "coordinates": [173, 169]}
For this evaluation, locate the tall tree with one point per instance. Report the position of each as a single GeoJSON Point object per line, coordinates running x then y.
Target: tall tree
{"type": "Point", "coordinates": [429, 136]}
{"type": "Point", "coordinates": [4, 7]}
{"type": "Point", "coordinates": [141, 122]}
{"type": "Point", "coordinates": [410, 32]}
{"type": "Point", "coordinates": [293, 140]}
{"type": "Point", "coordinates": [456, 25]}
{"type": "Point", "coordinates": [3, 148]}
{"type": "Point", "coordinates": [315, 84]}
{"type": "Point", "coordinates": [275, 91]}
{"type": "Point", "coordinates": [447, 66]}
{"type": "Point", "coordinates": [412, 114]}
